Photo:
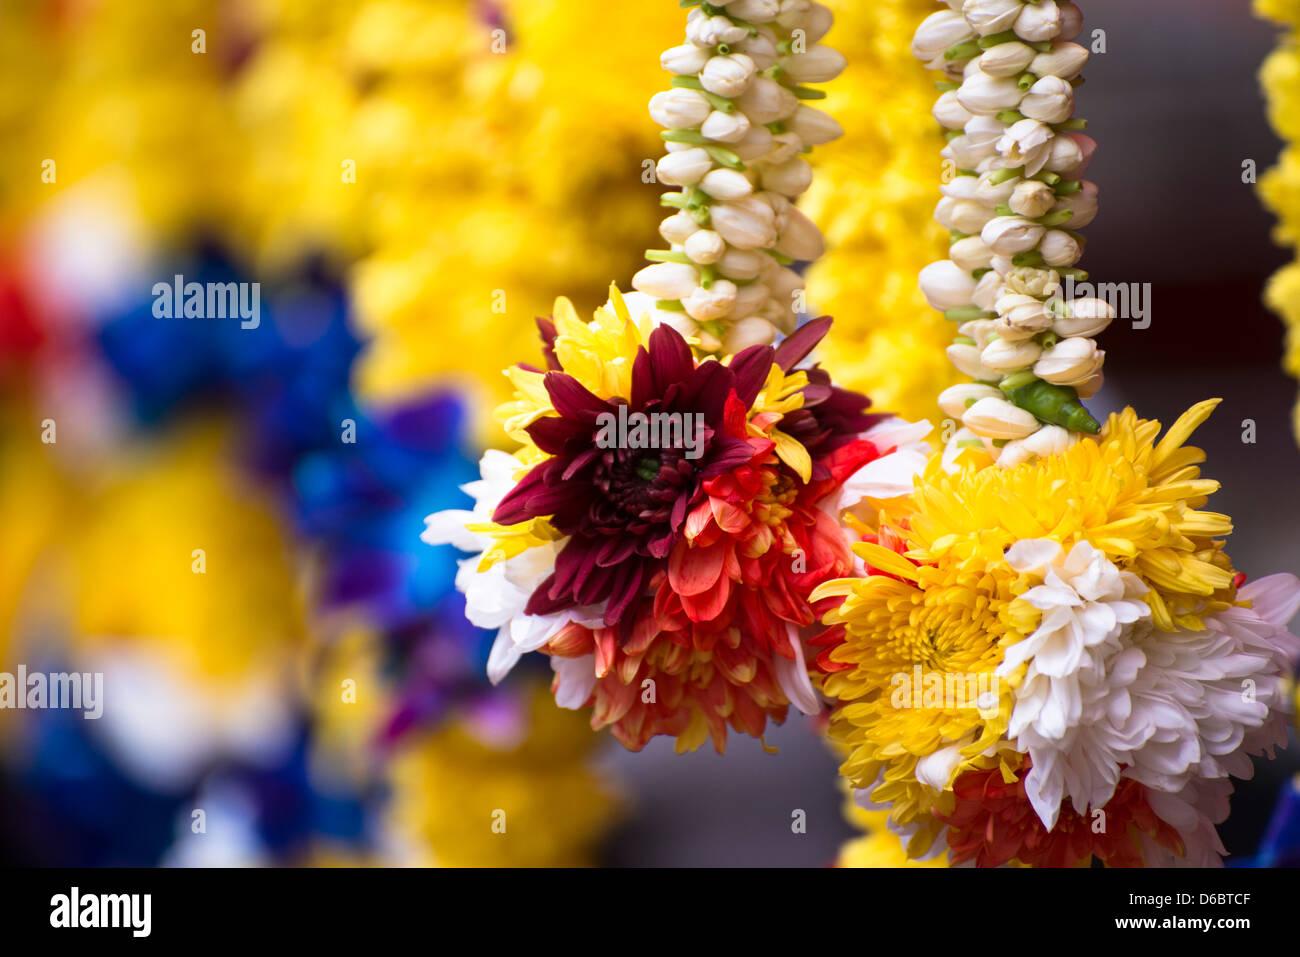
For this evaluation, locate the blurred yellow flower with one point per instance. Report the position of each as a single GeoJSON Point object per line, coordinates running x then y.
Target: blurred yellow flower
{"type": "Point", "coordinates": [1280, 186]}
{"type": "Point", "coordinates": [467, 801]}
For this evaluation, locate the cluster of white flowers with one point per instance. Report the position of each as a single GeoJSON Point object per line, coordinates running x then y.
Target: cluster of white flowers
{"type": "Point", "coordinates": [1013, 202]}
{"type": "Point", "coordinates": [737, 129]}
{"type": "Point", "coordinates": [1102, 694]}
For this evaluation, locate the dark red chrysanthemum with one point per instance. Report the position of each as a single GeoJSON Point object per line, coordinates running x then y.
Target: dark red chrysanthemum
{"type": "Point", "coordinates": [992, 823]}
{"type": "Point", "coordinates": [623, 509]}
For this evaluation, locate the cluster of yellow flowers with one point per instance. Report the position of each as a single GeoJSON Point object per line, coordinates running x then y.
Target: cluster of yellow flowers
{"type": "Point", "coordinates": [1280, 186]}
{"type": "Point", "coordinates": [873, 197]}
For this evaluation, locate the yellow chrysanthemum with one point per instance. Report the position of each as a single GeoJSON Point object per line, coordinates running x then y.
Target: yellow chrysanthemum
{"type": "Point", "coordinates": [943, 619]}
{"type": "Point", "coordinates": [468, 802]}
{"type": "Point", "coordinates": [181, 556]}
{"type": "Point", "coordinates": [950, 604]}
{"type": "Point", "coordinates": [1280, 186]}
{"type": "Point", "coordinates": [873, 196]}
{"type": "Point", "coordinates": [1134, 499]}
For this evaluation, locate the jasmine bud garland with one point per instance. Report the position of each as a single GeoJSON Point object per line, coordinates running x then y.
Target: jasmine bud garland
{"type": "Point", "coordinates": [1013, 203]}
{"type": "Point", "coordinates": [737, 128]}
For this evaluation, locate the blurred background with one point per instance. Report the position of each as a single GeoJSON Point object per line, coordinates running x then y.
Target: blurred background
{"type": "Point", "coordinates": [225, 521]}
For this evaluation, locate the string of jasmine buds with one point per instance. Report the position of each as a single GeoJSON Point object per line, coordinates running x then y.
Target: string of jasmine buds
{"type": "Point", "coordinates": [737, 128]}
{"type": "Point", "coordinates": [1014, 204]}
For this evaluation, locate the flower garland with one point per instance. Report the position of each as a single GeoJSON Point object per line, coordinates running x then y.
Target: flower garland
{"type": "Point", "coordinates": [1052, 659]}
{"type": "Point", "coordinates": [735, 129]}
{"type": "Point", "coordinates": [1280, 186]}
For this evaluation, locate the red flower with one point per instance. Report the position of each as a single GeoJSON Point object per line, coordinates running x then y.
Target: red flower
{"type": "Point", "coordinates": [993, 823]}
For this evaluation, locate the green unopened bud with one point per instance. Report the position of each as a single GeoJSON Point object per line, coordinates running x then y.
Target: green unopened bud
{"type": "Point", "coordinates": [1053, 404]}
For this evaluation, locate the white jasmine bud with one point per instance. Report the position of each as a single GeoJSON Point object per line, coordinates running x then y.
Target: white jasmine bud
{"type": "Point", "coordinates": [987, 290]}
{"type": "Point", "coordinates": [742, 264]}
{"type": "Point", "coordinates": [705, 246]}
{"type": "Point", "coordinates": [983, 134]}
{"type": "Point", "coordinates": [685, 60]}
{"type": "Point", "coordinates": [981, 330]}
{"type": "Point", "coordinates": [1049, 440]}
{"type": "Point", "coordinates": [1059, 248]}
{"type": "Point", "coordinates": [1071, 21]}
{"type": "Point", "coordinates": [814, 127]}
{"type": "Point", "coordinates": [727, 75]}
{"type": "Point", "coordinates": [667, 280]}
{"type": "Point", "coordinates": [1083, 318]}
{"type": "Point", "coordinates": [964, 215]}
{"type": "Point", "coordinates": [1065, 60]}
{"type": "Point", "coordinates": [1039, 21]}
{"type": "Point", "coordinates": [955, 400]}
{"type": "Point", "coordinates": [1024, 312]}
{"type": "Point", "coordinates": [678, 228]}
{"type": "Point", "coordinates": [749, 300]}
{"type": "Point", "coordinates": [705, 305]}
{"type": "Point", "coordinates": [1007, 59]}
{"type": "Point", "coordinates": [938, 32]}
{"type": "Point", "coordinates": [1070, 155]}
{"type": "Point", "coordinates": [760, 49]}
{"type": "Point", "coordinates": [726, 127]}
{"type": "Point", "coordinates": [991, 16]}
{"type": "Point", "coordinates": [800, 239]}
{"type": "Point", "coordinates": [680, 109]}
{"type": "Point", "coordinates": [712, 31]}
{"type": "Point", "coordinates": [755, 11]}
{"type": "Point", "coordinates": [1009, 235]}
{"type": "Point", "coordinates": [1027, 143]}
{"type": "Point", "coordinates": [996, 418]}
{"type": "Point", "coordinates": [1070, 362]}
{"type": "Point", "coordinates": [986, 95]}
{"type": "Point", "coordinates": [1031, 281]}
{"type": "Point", "coordinates": [766, 101]}
{"type": "Point", "coordinates": [685, 168]}
{"type": "Point", "coordinates": [790, 178]}
{"type": "Point", "coordinates": [726, 184]}
{"type": "Point", "coordinates": [1004, 355]}
{"type": "Point", "coordinates": [1049, 100]}
{"type": "Point", "coordinates": [1032, 199]}
{"type": "Point", "coordinates": [816, 22]}
{"type": "Point", "coordinates": [751, 331]}
{"type": "Point", "coordinates": [946, 285]}
{"type": "Point", "coordinates": [755, 144]}
{"type": "Point", "coordinates": [782, 283]}
{"type": "Point", "coordinates": [1082, 204]}
{"type": "Point", "coordinates": [970, 254]}
{"type": "Point", "coordinates": [995, 194]}
{"type": "Point", "coordinates": [820, 64]}
{"type": "Point", "coordinates": [959, 187]}
{"type": "Point", "coordinates": [748, 223]}
{"type": "Point", "coordinates": [785, 147]}
{"type": "Point", "coordinates": [950, 113]}
{"type": "Point", "coordinates": [966, 359]}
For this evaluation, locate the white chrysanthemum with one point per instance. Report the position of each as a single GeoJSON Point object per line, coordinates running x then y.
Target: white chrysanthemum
{"type": "Point", "coordinates": [1086, 602]}
{"type": "Point", "coordinates": [1112, 695]}
{"type": "Point", "coordinates": [496, 598]}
